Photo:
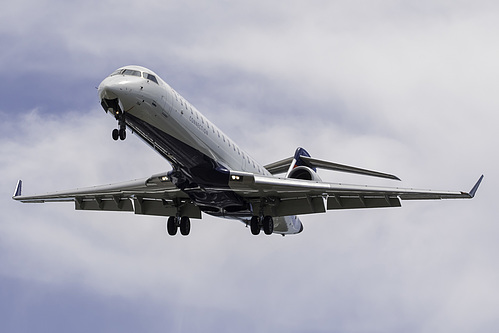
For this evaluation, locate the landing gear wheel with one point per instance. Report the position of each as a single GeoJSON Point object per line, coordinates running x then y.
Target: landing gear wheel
{"type": "Point", "coordinates": [171, 226]}
{"type": "Point", "coordinates": [268, 225]}
{"type": "Point", "coordinates": [116, 134]}
{"type": "Point", "coordinates": [122, 133]}
{"type": "Point", "coordinates": [185, 225]}
{"type": "Point", "coordinates": [255, 225]}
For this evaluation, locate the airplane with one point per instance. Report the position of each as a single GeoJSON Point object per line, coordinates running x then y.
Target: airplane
{"type": "Point", "coordinates": [211, 174]}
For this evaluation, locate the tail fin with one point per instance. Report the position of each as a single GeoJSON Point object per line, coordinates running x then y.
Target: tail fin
{"type": "Point", "coordinates": [299, 161]}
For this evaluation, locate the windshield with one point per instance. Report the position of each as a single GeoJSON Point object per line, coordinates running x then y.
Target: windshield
{"type": "Point", "coordinates": [129, 72]}
{"type": "Point", "coordinates": [150, 77]}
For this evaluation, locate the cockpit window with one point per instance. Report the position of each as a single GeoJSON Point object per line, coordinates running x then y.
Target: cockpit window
{"type": "Point", "coordinates": [116, 72]}
{"type": "Point", "coordinates": [131, 72]}
{"type": "Point", "coordinates": [150, 77]}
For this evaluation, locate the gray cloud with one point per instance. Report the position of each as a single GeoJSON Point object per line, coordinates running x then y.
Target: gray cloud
{"type": "Point", "coordinates": [398, 88]}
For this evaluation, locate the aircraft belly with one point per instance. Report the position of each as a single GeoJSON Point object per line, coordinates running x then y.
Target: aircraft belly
{"type": "Point", "coordinates": [199, 176]}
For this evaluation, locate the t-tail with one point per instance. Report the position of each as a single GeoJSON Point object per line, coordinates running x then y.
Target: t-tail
{"type": "Point", "coordinates": [303, 166]}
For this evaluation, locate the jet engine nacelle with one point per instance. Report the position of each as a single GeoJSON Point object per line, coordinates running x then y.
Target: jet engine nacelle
{"type": "Point", "coordinates": [305, 173]}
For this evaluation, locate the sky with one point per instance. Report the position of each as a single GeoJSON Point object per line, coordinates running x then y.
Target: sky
{"type": "Point", "coordinates": [403, 87]}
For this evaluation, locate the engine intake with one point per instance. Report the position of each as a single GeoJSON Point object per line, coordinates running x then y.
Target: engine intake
{"type": "Point", "coordinates": [305, 173]}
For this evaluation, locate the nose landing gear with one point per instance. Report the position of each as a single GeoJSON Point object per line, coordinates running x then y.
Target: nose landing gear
{"type": "Point", "coordinates": [120, 132]}
{"type": "Point", "coordinates": [113, 106]}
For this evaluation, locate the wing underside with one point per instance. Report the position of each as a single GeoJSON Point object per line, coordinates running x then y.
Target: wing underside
{"type": "Point", "coordinates": [284, 196]}
{"type": "Point", "coordinates": [271, 195]}
{"type": "Point", "coordinates": [155, 195]}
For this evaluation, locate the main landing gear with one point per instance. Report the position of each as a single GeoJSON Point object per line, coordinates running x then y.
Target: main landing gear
{"type": "Point", "coordinates": [174, 223]}
{"type": "Point", "coordinates": [266, 223]}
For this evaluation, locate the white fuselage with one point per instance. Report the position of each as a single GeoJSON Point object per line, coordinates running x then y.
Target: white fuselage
{"type": "Point", "coordinates": [150, 101]}
{"type": "Point", "coordinates": [160, 105]}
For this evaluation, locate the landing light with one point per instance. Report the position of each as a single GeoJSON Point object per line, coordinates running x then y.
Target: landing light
{"type": "Point", "coordinates": [236, 178]}
{"type": "Point", "coordinates": [164, 178]}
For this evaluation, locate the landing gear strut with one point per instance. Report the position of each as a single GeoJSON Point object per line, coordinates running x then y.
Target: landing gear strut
{"type": "Point", "coordinates": [255, 225]}
{"type": "Point", "coordinates": [174, 223]}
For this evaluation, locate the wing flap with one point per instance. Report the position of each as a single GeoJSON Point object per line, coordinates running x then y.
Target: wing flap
{"type": "Point", "coordinates": [163, 207]}
{"type": "Point", "coordinates": [274, 206]}
{"type": "Point", "coordinates": [116, 204]}
{"type": "Point", "coordinates": [360, 201]}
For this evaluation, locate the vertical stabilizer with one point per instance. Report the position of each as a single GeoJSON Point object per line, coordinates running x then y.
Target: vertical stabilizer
{"type": "Point", "coordinates": [298, 161]}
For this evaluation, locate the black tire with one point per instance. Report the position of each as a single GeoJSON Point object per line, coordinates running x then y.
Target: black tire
{"type": "Point", "coordinates": [255, 225]}
{"type": "Point", "coordinates": [116, 134]}
{"type": "Point", "coordinates": [122, 133]}
{"type": "Point", "coordinates": [268, 225]}
{"type": "Point", "coordinates": [185, 225]}
{"type": "Point", "coordinates": [171, 226]}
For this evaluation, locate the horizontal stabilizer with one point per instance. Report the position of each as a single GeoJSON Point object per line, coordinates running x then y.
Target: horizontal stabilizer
{"type": "Point", "coordinates": [279, 166]}
{"type": "Point", "coordinates": [313, 162]}
{"type": "Point", "coordinates": [283, 165]}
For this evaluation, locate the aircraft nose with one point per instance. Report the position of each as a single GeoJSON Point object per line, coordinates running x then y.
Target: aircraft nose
{"type": "Point", "coordinates": [109, 89]}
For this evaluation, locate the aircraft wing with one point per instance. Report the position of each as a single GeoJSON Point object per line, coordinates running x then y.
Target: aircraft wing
{"type": "Point", "coordinates": [285, 196]}
{"type": "Point", "coordinates": [155, 195]}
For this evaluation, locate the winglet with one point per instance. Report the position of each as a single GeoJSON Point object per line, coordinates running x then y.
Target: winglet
{"type": "Point", "coordinates": [19, 188]}
{"type": "Point", "coordinates": [475, 188]}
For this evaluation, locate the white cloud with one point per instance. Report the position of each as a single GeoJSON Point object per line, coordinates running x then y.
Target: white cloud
{"type": "Point", "coordinates": [407, 90]}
